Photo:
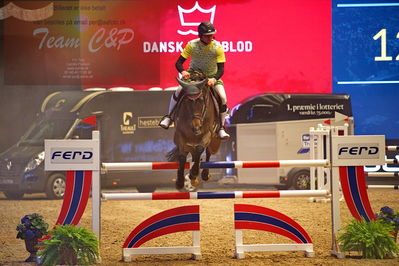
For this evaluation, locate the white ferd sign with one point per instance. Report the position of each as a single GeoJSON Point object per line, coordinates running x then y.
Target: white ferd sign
{"type": "Point", "coordinates": [358, 150]}
{"type": "Point", "coordinates": [64, 155]}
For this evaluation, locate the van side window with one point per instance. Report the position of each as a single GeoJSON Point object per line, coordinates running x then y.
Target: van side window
{"type": "Point", "coordinates": [260, 112]}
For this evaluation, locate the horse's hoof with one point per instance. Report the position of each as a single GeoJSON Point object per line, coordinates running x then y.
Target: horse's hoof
{"type": "Point", "coordinates": [179, 186]}
{"type": "Point", "coordinates": [194, 182]}
{"type": "Point", "coordinates": [206, 177]}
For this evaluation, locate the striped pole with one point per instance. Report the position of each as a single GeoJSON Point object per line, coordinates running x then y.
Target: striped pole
{"type": "Point", "coordinates": [392, 148]}
{"type": "Point", "coordinates": [136, 166]}
{"type": "Point", "coordinates": [214, 195]}
{"type": "Point", "coordinates": [382, 174]}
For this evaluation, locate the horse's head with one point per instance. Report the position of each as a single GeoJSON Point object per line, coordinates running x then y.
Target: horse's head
{"type": "Point", "coordinates": [192, 89]}
{"type": "Point", "coordinates": [196, 102]}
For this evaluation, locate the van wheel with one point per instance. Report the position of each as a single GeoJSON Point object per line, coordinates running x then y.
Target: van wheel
{"type": "Point", "coordinates": [144, 189]}
{"type": "Point", "coordinates": [301, 180]}
{"type": "Point", "coordinates": [13, 195]}
{"type": "Point", "coordinates": [55, 188]}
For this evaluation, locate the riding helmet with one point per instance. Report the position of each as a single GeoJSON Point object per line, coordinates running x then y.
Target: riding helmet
{"type": "Point", "coordinates": [206, 28]}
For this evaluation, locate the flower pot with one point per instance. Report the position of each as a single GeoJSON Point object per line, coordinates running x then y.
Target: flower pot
{"type": "Point", "coordinates": [30, 245]}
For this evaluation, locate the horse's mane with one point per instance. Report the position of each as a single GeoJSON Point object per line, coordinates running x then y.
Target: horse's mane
{"type": "Point", "coordinates": [197, 75]}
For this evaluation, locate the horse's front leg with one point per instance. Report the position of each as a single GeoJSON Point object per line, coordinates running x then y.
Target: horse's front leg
{"type": "Point", "coordinates": [205, 172]}
{"type": "Point", "coordinates": [194, 171]}
{"type": "Point", "coordinates": [180, 172]}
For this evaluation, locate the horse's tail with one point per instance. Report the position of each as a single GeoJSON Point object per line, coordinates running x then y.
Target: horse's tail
{"type": "Point", "coordinates": [173, 155]}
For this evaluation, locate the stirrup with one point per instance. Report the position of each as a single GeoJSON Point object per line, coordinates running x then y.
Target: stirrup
{"type": "Point", "coordinates": [165, 122]}
{"type": "Point", "coordinates": [222, 134]}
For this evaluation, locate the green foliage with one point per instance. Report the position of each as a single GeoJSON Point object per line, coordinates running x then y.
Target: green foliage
{"type": "Point", "coordinates": [69, 239]}
{"type": "Point", "coordinates": [373, 239]}
{"type": "Point", "coordinates": [32, 226]}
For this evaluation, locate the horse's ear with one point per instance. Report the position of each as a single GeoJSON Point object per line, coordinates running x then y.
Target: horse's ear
{"type": "Point", "coordinates": [200, 84]}
{"type": "Point", "coordinates": [181, 82]}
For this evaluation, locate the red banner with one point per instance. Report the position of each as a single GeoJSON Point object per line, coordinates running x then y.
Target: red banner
{"type": "Point", "coordinates": [281, 46]}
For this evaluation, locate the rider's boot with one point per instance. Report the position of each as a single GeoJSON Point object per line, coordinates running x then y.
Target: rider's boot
{"type": "Point", "coordinates": [167, 121]}
{"type": "Point", "coordinates": [222, 134]}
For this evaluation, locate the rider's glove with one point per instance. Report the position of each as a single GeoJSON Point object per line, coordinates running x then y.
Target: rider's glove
{"type": "Point", "coordinates": [211, 82]}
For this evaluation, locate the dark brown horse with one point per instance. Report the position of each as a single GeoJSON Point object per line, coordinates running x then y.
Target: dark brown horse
{"type": "Point", "coordinates": [196, 125]}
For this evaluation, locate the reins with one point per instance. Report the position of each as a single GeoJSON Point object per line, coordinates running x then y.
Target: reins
{"type": "Point", "coordinates": [204, 107]}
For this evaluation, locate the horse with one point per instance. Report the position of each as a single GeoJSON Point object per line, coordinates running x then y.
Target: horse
{"type": "Point", "coordinates": [196, 124]}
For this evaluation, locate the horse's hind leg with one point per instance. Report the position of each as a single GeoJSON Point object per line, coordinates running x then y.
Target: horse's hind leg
{"type": "Point", "coordinates": [205, 172]}
{"type": "Point", "coordinates": [180, 172]}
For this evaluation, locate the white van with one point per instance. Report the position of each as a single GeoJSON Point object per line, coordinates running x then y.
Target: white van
{"type": "Point", "coordinates": [276, 127]}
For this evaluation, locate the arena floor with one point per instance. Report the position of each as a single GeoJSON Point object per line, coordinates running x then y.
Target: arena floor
{"type": "Point", "coordinates": [217, 233]}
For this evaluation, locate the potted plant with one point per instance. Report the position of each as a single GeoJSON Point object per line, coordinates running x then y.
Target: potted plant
{"type": "Point", "coordinates": [71, 245]}
{"type": "Point", "coordinates": [372, 239]}
{"type": "Point", "coordinates": [31, 228]}
{"type": "Point", "coordinates": [389, 216]}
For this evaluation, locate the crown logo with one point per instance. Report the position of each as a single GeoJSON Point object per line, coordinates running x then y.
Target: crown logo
{"type": "Point", "coordinates": [194, 16]}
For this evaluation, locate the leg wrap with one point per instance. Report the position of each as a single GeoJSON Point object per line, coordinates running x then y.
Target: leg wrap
{"type": "Point", "coordinates": [222, 94]}
{"type": "Point", "coordinates": [174, 99]}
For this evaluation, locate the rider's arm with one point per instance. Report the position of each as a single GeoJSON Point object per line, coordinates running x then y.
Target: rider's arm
{"type": "Point", "coordinates": [186, 53]}
{"type": "Point", "coordinates": [179, 64]}
{"type": "Point", "coordinates": [220, 60]}
{"type": "Point", "coordinates": [220, 71]}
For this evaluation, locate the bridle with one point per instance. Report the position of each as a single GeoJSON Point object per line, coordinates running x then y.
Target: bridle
{"type": "Point", "coordinates": [200, 116]}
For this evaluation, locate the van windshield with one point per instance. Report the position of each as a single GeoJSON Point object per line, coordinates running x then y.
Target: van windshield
{"type": "Point", "coordinates": [46, 129]}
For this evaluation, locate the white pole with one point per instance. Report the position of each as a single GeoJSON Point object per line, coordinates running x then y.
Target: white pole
{"type": "Point", "coordinates": [312, 152]}
{"type": "Point", "coordinates": [384, 186]}
{"type": "Point", "coordinates": [392, 148]}
{"type": "Point", "coordinates": [335, 196]}
{"type": "Point", "coordinates": [382, 174]}
{"type": "Point", "coordinates": [96, 194]}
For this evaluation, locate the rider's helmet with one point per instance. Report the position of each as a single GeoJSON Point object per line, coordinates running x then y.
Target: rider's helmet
{"type": "Point", "coordinates": [206, 28]}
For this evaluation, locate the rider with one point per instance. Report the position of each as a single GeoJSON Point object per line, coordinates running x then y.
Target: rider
{"type": "Point", "coordinates": [207, 55]}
